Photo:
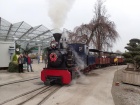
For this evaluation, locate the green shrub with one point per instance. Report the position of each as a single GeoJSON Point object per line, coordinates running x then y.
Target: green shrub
{"type": "Point", "coordinates": [15, 58]}
{"type": "Point", "coordinates": [133, 54]}
{"type": "Point", "coordinates": [13, 66]}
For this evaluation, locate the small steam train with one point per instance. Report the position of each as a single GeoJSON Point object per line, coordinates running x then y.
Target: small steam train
{"type": "Point", "coordinates": [61, 63]}
{"type": "Point", "coordinates": [66, 60]}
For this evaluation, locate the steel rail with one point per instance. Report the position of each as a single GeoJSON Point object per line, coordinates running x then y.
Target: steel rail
{"type": "Point", "coordinates": [21, 95]}
{"type": "Point", "coordinates": [45, 98]}
{"type": "Point", "coordinates": [18, 81]}
{"type": "Point", "coordinates": [42, 91]}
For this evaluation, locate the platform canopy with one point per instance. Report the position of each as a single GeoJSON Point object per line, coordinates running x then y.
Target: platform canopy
{"type": "Point", "coordinates": [23, 33]}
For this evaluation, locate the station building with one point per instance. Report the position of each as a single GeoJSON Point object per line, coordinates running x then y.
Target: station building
{"type": "Point", "coordinates": [23, 34]}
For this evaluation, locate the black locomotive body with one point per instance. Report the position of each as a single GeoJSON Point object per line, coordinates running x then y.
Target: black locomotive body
{"type": "Point", "coordinates": [61, 63]}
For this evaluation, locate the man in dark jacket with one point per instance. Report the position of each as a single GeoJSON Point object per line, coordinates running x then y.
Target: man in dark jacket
{"type": "Point", "coordinates": [25, 59]}
{"type": "Point", "coordinates": [29, 64]}
{"type": "Point", "coordinates": [20, 63]}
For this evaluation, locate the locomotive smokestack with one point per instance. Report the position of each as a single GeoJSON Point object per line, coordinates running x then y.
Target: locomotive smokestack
{"type": "Point", "coordinates": [57, 36]}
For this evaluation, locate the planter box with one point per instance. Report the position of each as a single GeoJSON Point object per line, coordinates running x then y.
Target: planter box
{"type": "Point", "coordinates": [130, 65]}
{"type": "Point", "coordinates": [131, 77]}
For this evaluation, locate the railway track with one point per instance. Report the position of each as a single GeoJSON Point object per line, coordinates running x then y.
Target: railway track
{"type": "Point", "coordinates": [47, 91]}
{"type": "Point", "coordinates": [24, 94]}
{"type": "Point", "coordinates": [18, 81]}
{"type": "Point", "coordinates": [46, 97]}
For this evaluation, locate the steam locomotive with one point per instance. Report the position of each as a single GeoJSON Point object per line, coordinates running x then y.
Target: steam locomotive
{"type": "Point", "coordinates": [66, 60]}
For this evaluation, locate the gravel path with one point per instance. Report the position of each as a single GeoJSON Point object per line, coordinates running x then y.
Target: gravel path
{"type": "Point", "coordinates": [94, 89]}
{"type": "Point", "coordinates": [125, 94]}
{"type": "Point", "coordinates": [6, 77]}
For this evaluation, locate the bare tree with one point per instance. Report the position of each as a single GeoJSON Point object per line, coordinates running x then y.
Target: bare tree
{"type": "Point", "coordinates": [103, 30]}
{"type": "Point", "coordinates": [77, 36]}
{"type": "Point", "coordinates": [100, 31]}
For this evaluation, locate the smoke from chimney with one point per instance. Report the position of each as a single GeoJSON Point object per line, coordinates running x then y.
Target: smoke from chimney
{"type": "Point", "coordinates": [58, 10]}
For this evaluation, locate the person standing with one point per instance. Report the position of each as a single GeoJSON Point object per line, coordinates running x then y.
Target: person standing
{"type": "Point", "coordinates": [38, 58]}
{"type": "Point", "coordinates": [25, 61]}
{"type": "Point", "coordinates": [20, 63]}
{"type": "Point", "coordinates": [116, 61]}
{"type": "Point", "coordinates": [29, 63]}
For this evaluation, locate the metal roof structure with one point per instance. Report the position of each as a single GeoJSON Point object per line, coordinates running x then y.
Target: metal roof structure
{"type": "Point", "coordinates": [23, 33]}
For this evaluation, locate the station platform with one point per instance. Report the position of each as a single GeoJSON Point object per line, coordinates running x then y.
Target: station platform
{"type": "Point", "coordinates": [6, 77]}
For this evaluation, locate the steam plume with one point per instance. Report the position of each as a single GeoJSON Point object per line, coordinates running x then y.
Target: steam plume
{"type": "Point", "coordinates": [80, 62]}
{"type": "Point", "coordinates": [58, 11]}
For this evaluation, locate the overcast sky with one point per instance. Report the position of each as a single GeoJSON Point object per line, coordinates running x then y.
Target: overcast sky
{"type": "Point", "coordinates": [125, 14]}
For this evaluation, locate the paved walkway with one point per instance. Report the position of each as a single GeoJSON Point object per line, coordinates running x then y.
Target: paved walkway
{"type": "Point", "coordinates": [8, 77]}
{"type": "Point", "coordinates": [94, 89]}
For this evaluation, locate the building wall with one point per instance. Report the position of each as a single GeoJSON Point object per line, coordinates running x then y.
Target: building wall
{"type": "Point", "coordinates": [4, 53]}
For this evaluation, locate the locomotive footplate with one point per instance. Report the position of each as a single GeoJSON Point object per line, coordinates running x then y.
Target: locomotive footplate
{"type": "Point", "coordinates": [51, 80]}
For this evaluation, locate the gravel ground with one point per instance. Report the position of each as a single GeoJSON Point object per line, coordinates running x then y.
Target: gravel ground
{"type": "Point", "coordinates": [6, 77]}
{"type": "Point", "coordinates": [124, 94]}
{"type": "Point", "coordinates": [13, 90]}
{"type": "Point", "coordinates": [92, 89]}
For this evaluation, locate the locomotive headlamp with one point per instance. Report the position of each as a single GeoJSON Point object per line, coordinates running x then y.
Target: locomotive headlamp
{"type": "Point", "coordinates": [53, 44]}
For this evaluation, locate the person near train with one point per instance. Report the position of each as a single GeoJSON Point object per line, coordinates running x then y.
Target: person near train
{"type": "Point", "coordinates": [116, 61]}
{"type": "Point", "coordinates": [38, 58]}
{"type": "Point", "coordinates": [29, 63]}
{"type": "Point", "coordinates": [20, 63]}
